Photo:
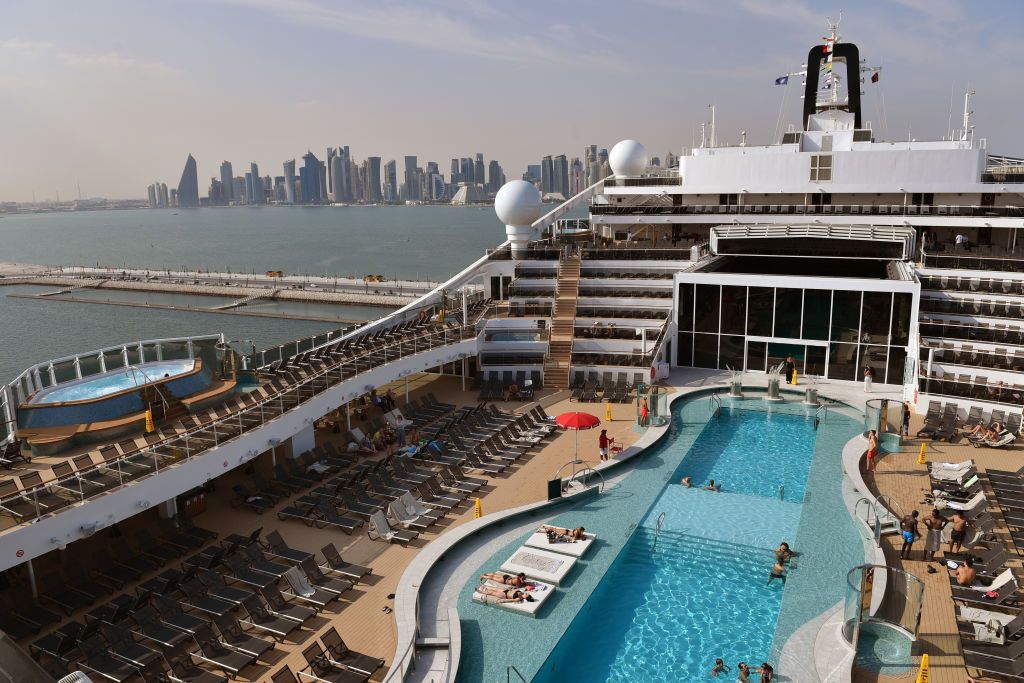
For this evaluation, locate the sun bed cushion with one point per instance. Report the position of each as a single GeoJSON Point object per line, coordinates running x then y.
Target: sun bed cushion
{"type": "Point", "coordinates": [540, 595]}
{"type": "Point", "coordinates": [539, 564]}
{"type": "Point", "coordinates": [578, 549]}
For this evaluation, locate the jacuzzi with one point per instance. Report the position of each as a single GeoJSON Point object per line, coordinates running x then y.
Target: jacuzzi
{"type": "Point", "coordinates": [122, 379]}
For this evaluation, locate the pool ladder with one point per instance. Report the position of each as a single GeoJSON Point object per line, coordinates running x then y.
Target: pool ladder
{"type": "Point", "coordinates": [508, 674]}
{"type": "Point", "coordinates": [657, 530]}
{"type": "Point", "coordinates": [715, 404]}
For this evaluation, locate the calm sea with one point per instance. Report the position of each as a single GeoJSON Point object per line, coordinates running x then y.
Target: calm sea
{"type": "Point", "coordinates": [413, 242]}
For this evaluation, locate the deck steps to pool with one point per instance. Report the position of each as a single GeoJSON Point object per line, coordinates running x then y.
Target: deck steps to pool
{"type": "Point", "coordinates": [563, 322]}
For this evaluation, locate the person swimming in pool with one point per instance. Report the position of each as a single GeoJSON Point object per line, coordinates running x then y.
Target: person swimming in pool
{"type": "Point", "coordinates": [767, 672]}
{"type": "Point", "coordinates": [504, 594]}
{"type": "Point", "coordinates": [777, 572]}
{"type": "Point", "coordinates": [557, 533]}
{"type": "Point", "coordinates": [719, 668]}
{"type": "Point", "coordinates": [712, 486]}
{"type": "Point", "coordinates": [687, 482]}
{"type": "Point", "coordinates": [742, 673]}
{"type": "Point", "coordinates": [519, 580]}
{"type": "Point", "coordinates": [784, 553]}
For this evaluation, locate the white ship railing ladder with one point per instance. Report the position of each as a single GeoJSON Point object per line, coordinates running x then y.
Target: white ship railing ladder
{"type": "Point", "coordinates": [657, 530]}
{"type": "Point", "coordinates": [715, 405]}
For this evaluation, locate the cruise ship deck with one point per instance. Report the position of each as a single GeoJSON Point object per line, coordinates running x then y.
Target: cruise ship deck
{"type": "Point", "coordinates": [755, 315]}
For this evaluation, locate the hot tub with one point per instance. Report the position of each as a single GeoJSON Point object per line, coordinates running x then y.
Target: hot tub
{"type": "Point", "coordinates": [122, 379]}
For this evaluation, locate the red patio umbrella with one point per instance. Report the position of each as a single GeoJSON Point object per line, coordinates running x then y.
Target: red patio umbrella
{"type": "Point", "coordinates": [577, 421]}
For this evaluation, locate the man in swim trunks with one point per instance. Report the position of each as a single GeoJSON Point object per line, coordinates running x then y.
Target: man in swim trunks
{"type": "Point", "coordinates": [742, 673]}
{"type": "Point", "coordinates": [565, 535]}
{"type": "Point", "coordinates": [719, 668]}
{"type": "Point", "coordinates": [908, 529]}
{"type": "Point", "coordinates": [959, 531]}
{"type": "Point", "coordinates": [784, 553]}
{"type": "Point", "coordinates": [935, 524]}
{"type": "Point", "coordinates": [687, 482]}
{"type": "Point", "coordinates": [872, 455]}
{"type": "Point", "coordinates": [965, 573]}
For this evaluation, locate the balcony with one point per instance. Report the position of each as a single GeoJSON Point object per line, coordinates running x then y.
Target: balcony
{"type": "Point", "coordinates": [942, 211]}
{"type": "Point", "coordinates": [645, 181]}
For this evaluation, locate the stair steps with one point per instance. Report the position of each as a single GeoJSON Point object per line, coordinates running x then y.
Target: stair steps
{"type": "Point", "coordinates": [563, 320]}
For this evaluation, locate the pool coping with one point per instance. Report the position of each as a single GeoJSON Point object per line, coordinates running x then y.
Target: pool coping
{"type": "Point", "coordinates": [406, 602]}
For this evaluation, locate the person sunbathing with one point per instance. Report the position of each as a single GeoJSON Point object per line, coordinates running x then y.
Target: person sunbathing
{"type": "Point", "coordinates": [504, 594]}
{"type": "Point", "coordinates": [980, 432]}
{"type": "Point", "coordinates": [557, 533]}
{"type": "Point", "coordinates": [519, 580]}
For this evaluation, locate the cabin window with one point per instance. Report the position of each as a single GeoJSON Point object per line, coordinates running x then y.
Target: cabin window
{"type": "Point", "coordinates": [826, 143]}
{"type": "Point", "coordinates": [821, 168]}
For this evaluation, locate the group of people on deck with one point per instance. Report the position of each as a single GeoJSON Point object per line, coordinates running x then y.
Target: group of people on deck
{"type": "Point", "coordinates": [963, 572]}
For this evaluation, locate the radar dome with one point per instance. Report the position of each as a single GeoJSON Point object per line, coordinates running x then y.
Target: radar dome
{"type": "Point", "coordinates": [517, 203]}
{"type": "Point", "coordinates": [628, 158]}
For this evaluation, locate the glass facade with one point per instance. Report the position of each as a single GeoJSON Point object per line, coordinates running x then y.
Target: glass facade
{"type": "Point", "coordinates": [833, 333]}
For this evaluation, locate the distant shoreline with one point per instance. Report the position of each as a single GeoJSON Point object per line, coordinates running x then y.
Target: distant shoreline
{"type": "Point", "coordinates": [71, 208]}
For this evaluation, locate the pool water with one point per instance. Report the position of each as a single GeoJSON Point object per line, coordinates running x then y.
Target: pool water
{"type": "Point", "coordinates": [884, 650]}
{"type": "Point", "coordinates": [112, 382]}
{"type": "Point", "coordinates": [636, 610]}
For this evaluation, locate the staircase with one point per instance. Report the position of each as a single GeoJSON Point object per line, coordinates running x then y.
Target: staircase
{"type": "Point", "coordinates": [563, 319]}
{"type": "Point", "coordinates": [173, 408]}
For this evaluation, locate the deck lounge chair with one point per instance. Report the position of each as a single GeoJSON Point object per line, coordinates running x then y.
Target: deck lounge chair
{"type": "Point", "coordinates": [279, 606]}
{"type": "Point", "coordinates": [401, 515]}
{"type": "Point", "coordinates": [275, 545]}
{"type": "Point", "coordinates": [326, 516]}
{"type": "Point", "coordinates": [1004, 586]}
{"type": "Point", "coordinates": [339, 652]}
{"type": "Point", "coordinates": [232, 635]}
{"type": "Point", "coordinates": [99, 661]}
{"type": "Point", "coordinates": [214, 652]}
{"type": "Point", "coordinates": [257, 617]}
{"type": "Point", "coordinates": [333, 562]}
{"type": "Point", "coordinates": [320, 665]}
{"type": "Point", "coordinates": [380, 529]}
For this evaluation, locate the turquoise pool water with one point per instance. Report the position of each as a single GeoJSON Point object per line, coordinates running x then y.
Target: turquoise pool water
{"type": "Point", "coordinates": [113, 381]}
{"type": "Point", "coordinates": [632, 613]}
{"type": "Point", "coordinates": [885, 650]}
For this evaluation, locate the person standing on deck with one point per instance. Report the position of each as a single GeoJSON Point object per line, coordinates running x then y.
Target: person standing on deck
{"type": "Point", "coordinates": [869, 376]}
{"type": "Point", "coordinates": [933, 541]}
{"type": "Point", "coordinates": [602, 444]}
{"type": "Point", "coordinates": [790, 367]}
{"type": "Point", "coordinates": [908, 529]}
{"type": "Point", "coordinates": [905, 424]}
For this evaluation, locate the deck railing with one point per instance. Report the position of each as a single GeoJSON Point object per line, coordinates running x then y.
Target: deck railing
{"type": "Point", "coordinates": [944, 210]}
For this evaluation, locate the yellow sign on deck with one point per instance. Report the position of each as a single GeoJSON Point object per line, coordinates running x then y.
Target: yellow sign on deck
{"type": "Point", "coordinates": [794, 377]}
{"type": "Point", "coordinates": [922, 673]}
{"type": "Point", "coordinates": [149, 421]}
{"type": "Point", "coordinates": [920, 456]}
{"type": "Point", "coordinates": [608, 411]}
{"type": "Point", "coordinates": [478, 509]}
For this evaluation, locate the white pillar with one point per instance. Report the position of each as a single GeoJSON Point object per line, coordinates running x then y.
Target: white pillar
{"type": "Point", "coordinates": [303, 441]}
{"type": "Point", "coordinates": [464, 373]}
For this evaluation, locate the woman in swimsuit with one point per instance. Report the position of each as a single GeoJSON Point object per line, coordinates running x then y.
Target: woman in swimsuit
{"type": "Point", "coordinates": [767, 672]}
{"type": "Point", "coordinates": [504, 595]}
{"type": "Point", "coordinates": [567, 535]}
{"type": "Point", "coordinates": [519, 580]}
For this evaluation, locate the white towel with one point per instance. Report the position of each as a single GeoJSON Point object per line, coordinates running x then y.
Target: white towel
{"type": "Point", "coordinates": [299, 583]}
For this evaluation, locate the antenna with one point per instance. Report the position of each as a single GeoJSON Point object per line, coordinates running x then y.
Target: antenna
{"type": "Point", "coordinates": [968, 128]}
{"type": "Point", "coordinates": [713, 139]}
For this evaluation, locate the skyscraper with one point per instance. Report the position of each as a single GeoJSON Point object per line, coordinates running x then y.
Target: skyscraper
{"type": "Point", "coordinates": [188, 186]}
{"type": "Point", "coordinates": [335, 173]}
{"type": "Point", "coordinates": [495, 177]}
{"type": "Point", "coordinates": [456, 173]}
{"type": "Point", "coordinates": [412, 185]}
{"type": "Point", "coordinates": [151, 192]}
{"type": "Point", "coordinates": [249, 197]}
{"type": "Point", "coordinates": [547, 176]}
{"type": "Point", "coordinates": [226, 180]}
{"type": "Point", "coordinates": [391, 181]}
{"type": "Point", "coordinates": [331, 186]}
{"type": "Point", "coordinates": [467, 172]}
{"type": "Point", "coordinates": [322, 177]}
{"type": "Point", "coordinates": [560, 175]}
{"type": "Point", "coordinates": [577, 181]}
{"type": "Point", "coordinates": [309, 176]}
{"type": "Point", "coordinates": [478, 169]}
{"type": "Point", "coordinates": [255, 183]}
{"type": "Point", "coordinates": [289, 181]}
{"type": "Point", "coordinates": [346, 173]}
{"type": "Point", "coordinates": [162, 200]}
{"type": "Point", "coordinates": [372, 180]}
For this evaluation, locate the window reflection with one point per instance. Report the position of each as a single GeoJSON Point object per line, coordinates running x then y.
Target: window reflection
{"type": "Point", "coordinates": [734, 309]}
{"type": "Point", "coordinates": [705, 351]}
{"type": "Point", "coordinates": [902, 303]}
{"type": "Point", "coordinates": [755, 355]}
{"type": "Point", "coordinates": [874, 328]}
{"type": "Point", "coordinates": [761, 305]}
{"type": "Point", "coordinates": [705, 317]}
{"type": "Point", "coordinates": [730, 352]}
{"type": "Point", "coordinates": [685, 307]}
{"type": "Point", "coordinates": [817, 307]}
{"type": "Point", "coordinates": [788, 307]}
{"type": "Point", "coordinates": [842, 361]}
{"type": "Point", "coordinates": [845, 316]}
{"type": "Point", "coordinates": [873, 357]}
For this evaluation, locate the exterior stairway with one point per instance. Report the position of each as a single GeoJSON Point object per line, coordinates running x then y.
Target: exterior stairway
{"type": "Point", "coordinates": [563, 319]}
{"type": "Point", "coordinates": [172, 410]}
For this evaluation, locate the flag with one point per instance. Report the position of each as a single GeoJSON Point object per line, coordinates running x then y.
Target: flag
{"type": "Point", "coordinates": [782, 80]}
{"type": "Point", "coordinates": [874, 77]}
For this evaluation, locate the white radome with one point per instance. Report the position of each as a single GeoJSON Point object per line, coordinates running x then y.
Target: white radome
{"type": "Point", "coordinates": [517, 203]}
{"type": "Point", "coordinates": [628, 158]}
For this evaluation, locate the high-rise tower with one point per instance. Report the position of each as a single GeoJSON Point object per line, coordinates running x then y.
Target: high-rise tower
{"type": "Point", "coordinates": [188, 186]}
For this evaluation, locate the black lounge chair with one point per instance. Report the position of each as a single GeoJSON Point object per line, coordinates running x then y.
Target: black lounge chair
{"type": "Point", "coordinates": [333, 562]}
{"type": "Point", "coordinates": [326, 516]}
{"type": "Point", "coordinates": [318, 579]}
{"type": "Point", "coordinates": [232, 635]}
{"type": "Point", "coordinates": [242, 573]}
{"type": "Point", "coordinates": [219, 588]}
{"type": "Point", "coordinates": [150, 627]}
{"type": "Point", "coordinates": [124, 647]}
{"type": "Point", "coordinates": [258, 561]}
{"type": "Point", "coordinates": [100, 662]}
{"type": "Point", "coordinates": [303, 510]}
{"type": "Point", "coordinates": [176, 666]}
{"type": "Point", "coordinates": [279, 606]}
{"type": "Point", "coordinates": [173, 615]}
{"type": "Point", "coordinates": [244, 497]}
{"type": "Point", "coordinates": [259, 618]}
{"type": "Point", "coordinates": [199, 598]}
{"type": "Point", "coordinates": [214, 652]}
{"type": "Point", "coordinates": [320, 665]}
{"type": "Point", "coordinates": [339, 652]}
{"type": "Point", "coordinates": [276, 546]}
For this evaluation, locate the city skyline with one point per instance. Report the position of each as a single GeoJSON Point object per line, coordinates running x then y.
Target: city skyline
{"type": "Point", "coordinates": [112, 91]}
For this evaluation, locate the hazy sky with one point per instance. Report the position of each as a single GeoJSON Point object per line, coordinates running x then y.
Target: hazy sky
{"type": "Point", "coordinates": [116, 94]}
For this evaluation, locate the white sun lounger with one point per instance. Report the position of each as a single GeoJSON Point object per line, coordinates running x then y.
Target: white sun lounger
{"type": "Point", "coordinates": [947, 468]}
{"type": "Point", "coordinates": [542, 565]}
{"type": "Point", "coordinates": [530, 609]}
{"type": "Point", "coordinates": [977, 500]}
{"type": "Point", "coordinates": [578, 549]}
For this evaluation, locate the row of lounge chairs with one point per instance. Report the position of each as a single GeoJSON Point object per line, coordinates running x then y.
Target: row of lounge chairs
{"type": "Point", "coordinates": [996, 333]}
{"type": "Point", "coordinates": [974, 307]}
{"type": "Point", "coordinates": [999, 359]}
{"type": "Point", "coordinates": [494, 384]}
{"type": "Point", "coordinates": [618, 292]}
{"type": "Point", "coordinates": [973, 284]}
{"type": "Point", "coordinates": [586, 390]}
{"type": "Point", "coordinates": [603, 312]}
{"type": "Point", "coordinates": [990, 620]}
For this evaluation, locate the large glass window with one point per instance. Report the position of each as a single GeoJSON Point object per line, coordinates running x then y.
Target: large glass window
{"type": "Point", "coordinates": [730, 352]}
{"type": "Point", "coordinates": [817, 306]}
{"type": "Point", "coordinates": [734, 309]}
{"type": "Point", "coordinates": [815, 361]}
{"type": "Point", "coordinates": [755, 355]}
{"type": "Point", "coordinates": [901, 319]}
{"type": "Point", "coordinates": [842, 361]}
{"type": "Point", "coordinates": [788, 308]}
{"type": "Point", "coordinates": [685, 307]}
{"type": "Point", "coordinates": [778, 353]}
{"type": "Point", "coordinates": [760, 308]}
{"type": "Point", "coordinates": [897, 365]}
{"type": "Point", "coordinates": [705, 351]}
{"type": "Point", "coordinates": [874, 327]}
{"type": "Point", "coordinates": [845, 317]}
{"type": "Point", "coordinates": [685, 349]}
{"type": "Point", "coordinates": [873, 357]}
{"type": "Point", "coordinates": [705, 317]}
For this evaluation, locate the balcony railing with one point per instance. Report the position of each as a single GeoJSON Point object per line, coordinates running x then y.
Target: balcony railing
{"type": "Point", "coordinates": [994, 334]}
{"type": "Point", "coordinates": [644, 181]}
{"type": "Point", "coordinates": [1014, 310]}
{"type": "Point", "coordinates": [226, 424]}
{"type": "Point", "coordinates": [976, 260]}
{"type": "Point", "coordinates": [972, 285]}
{"type": "Point", "coordinates": [945, 210]}
{"type": "Point", "coordinates": [964, 386]}
{"type": "Point", "coordinates": [1000, 359]}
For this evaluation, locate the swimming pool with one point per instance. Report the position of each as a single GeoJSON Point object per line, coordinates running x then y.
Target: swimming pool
{"type": "Point", "coordinates": [97, 386]}
{"type": "Point", "coordinates": [637, 610]}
